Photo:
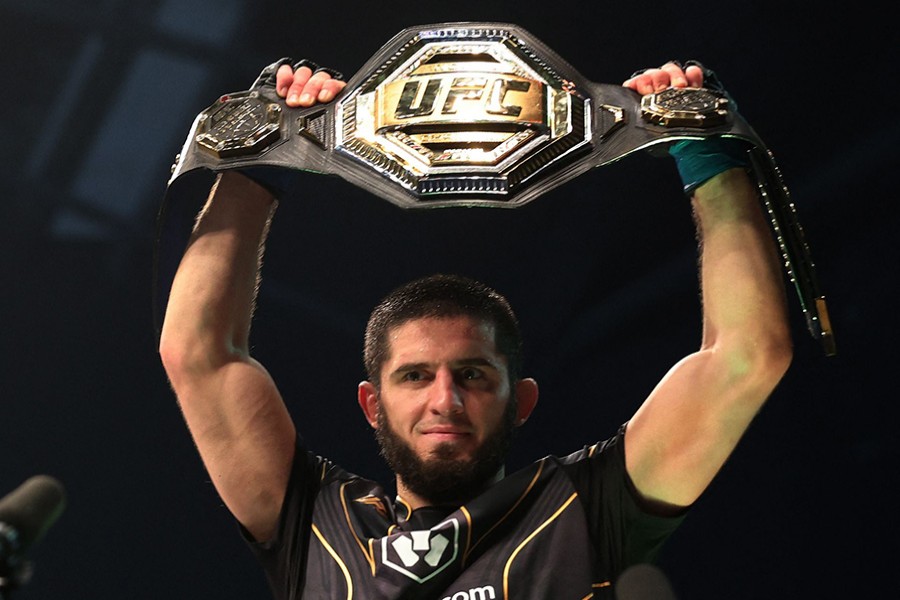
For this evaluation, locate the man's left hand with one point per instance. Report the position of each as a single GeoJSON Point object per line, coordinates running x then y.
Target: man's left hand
{"type": "Point", "coordinates": [669, 75]}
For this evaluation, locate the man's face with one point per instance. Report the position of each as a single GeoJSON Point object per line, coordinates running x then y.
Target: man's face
{"type": "Point", "coordinates": [445, 412]}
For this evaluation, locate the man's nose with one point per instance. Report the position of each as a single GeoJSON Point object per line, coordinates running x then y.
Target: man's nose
{"type": "Point", "coordinates": [446, 397]}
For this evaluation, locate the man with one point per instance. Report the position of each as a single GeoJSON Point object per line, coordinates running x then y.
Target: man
{"type": "Point", "coordinates": [443, 395]}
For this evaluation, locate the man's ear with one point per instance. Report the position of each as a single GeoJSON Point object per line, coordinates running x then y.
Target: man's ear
{"type": "Point", "coordinates": [526, 397]}
{"type": "Point", "coordinates": [367, 396]}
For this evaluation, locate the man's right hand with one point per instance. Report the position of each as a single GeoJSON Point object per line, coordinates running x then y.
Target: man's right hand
{"type": "Point", "coordinates": [302, 84]}
{"type": "Point", "coordinates": [304, 87]}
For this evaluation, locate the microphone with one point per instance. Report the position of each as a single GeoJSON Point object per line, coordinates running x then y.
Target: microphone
{"type": "Point", "coordinates": [26, 514]}
{"type": "Point", "coordinates": [643, 582]}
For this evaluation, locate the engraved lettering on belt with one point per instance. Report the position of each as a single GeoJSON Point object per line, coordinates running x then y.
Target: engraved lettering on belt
{"type": "Point", "coordinates": [450, 99]}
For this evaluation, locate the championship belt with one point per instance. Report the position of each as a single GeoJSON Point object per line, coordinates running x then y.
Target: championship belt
{"type": "Point", "coordinates": [477, 115]}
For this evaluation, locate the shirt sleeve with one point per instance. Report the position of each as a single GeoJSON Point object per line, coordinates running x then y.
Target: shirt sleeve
{"type": "Point", "coordinates": [623, 527]}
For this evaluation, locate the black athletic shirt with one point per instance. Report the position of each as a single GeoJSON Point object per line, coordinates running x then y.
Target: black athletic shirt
{"type": "Point", "coordinates": [560, 528]}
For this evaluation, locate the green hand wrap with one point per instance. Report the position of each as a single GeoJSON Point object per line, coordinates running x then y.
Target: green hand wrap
{"type": "Point", "coordinates": [700, 160]}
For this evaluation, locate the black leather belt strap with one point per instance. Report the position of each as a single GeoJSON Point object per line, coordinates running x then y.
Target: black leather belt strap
{"type": "Point", "coordinates": [475, 115]}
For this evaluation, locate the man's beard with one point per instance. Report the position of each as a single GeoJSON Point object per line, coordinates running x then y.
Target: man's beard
{"type": "Point", "coordinates": [442, 479]}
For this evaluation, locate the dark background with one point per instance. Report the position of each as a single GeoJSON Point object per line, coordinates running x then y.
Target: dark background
{"type": "Point", "coordinates": [98, 96]}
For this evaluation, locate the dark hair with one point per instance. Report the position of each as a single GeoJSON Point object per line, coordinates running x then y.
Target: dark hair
{"type": "Point", "coordinates": [442, 296]}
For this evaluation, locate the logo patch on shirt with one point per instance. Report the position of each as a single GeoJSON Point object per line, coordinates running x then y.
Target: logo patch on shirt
{"type": "Point", "coordinates": [420, 555]}
{"type": "Point", "coordinates": [374, 502]}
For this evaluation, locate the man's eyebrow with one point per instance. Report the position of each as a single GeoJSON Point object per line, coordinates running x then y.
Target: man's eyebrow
{"type": "Point", "coordinates": [411, 367]}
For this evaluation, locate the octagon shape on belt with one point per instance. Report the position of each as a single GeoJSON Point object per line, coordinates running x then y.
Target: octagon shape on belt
{"type": "Point", "coordinates": [462, 110]}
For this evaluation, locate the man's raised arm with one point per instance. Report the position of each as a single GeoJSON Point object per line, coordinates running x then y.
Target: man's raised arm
{"type": "Point", "coordinates": [689, 425]}
{"type": "Point", "coordinates": [235, 413]}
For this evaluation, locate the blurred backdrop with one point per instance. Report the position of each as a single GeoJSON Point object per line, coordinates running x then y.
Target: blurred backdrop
{"type": "Point", "coordinates": [98, 97]}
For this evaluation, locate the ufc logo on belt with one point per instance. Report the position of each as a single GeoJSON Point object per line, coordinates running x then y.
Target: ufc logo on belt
{"type": "Point", "coordinates": [476, 98]}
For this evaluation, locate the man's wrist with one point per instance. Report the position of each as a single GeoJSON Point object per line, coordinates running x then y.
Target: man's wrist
{"type": "Point", "coordinates": [698, 161]}
{"type": "Point", "coordinates": [237, 183]}
{"type": "Point", "coordinates": [275, 180]}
